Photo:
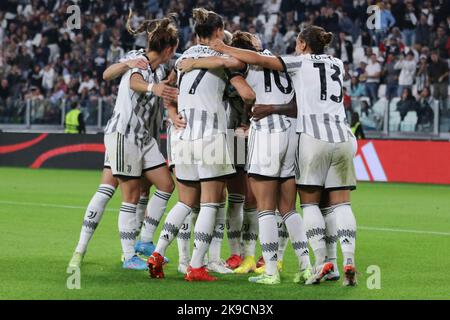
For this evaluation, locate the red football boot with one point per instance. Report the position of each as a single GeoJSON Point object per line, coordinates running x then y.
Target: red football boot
{"type": "Point", "coordinates": [234, 261]}
{"type": "Point", "coordinates": [260, 262]}
{"type": "Point", "coordinates": [198, 274]}
{"type": "Point", "coordinates": [155, 265]}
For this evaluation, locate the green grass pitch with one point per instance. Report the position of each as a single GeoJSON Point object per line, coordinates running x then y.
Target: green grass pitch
{"type": "Point", "coordinates": [403, 229]}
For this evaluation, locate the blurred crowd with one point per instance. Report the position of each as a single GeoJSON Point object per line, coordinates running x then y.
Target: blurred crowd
{"type": "Point", "coordinates": [42, 58]}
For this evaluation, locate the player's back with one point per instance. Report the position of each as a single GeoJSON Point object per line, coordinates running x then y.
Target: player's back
{"type": "Point", "coordinates": [318, 83]}
{"type": "Point", "coordinates": [271, 88]}
{"type": "Point", "coordinates": [200, 99]}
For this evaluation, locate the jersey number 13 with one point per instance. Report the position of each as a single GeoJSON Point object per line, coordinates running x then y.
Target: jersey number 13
{"type": "Point", "coordinates": [323, 81]}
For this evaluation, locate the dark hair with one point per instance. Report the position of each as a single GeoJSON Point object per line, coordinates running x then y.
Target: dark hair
{"type": "Point", "coordinates": [206, 22]}
{"type": "Point", "coordinates": [243, 40]}
{"type": "Point", "coordinates": [161, 33]}
{"type": "Point", "coordinates": [316, 38]}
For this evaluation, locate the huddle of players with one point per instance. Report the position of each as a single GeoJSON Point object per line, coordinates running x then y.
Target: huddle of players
{"type": "Point", "coordinates": [310, 148]}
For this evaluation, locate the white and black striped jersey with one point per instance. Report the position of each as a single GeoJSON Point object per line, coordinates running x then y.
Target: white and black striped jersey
{"type": "Point", "coordinates": [201, 97]}
{"type": "Point", "coordinates": [317, 81]}
{"type": "Point", "coordinates": [137, 115]}
{"type": "Point", "coordinates": [271, 88]}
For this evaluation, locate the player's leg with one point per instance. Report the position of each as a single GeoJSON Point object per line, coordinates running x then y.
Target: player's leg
{"type": "Point", "coordinates": [215, 262]}
{"type": "Point", "coordinates": [184, 240]}
{"type": "Point", "coordinates": [265, 191]}
{"type": "Point", "coordinates": [130, 189]}
{"type": "Point", "coordinates": [236, 200]}
{"type": "Point", "coordinates": [250, 231]}
{"type": "Point", "coordinates": [142, 204]}
{"type": "Point", "coordinates": [283, 239]}
{"type": "Point", "coordinates": [295, 228]}
{"type": "Point", "coordinates": [161, 178]}
{"type": "Point", "coordinates": [94, 214]}
{"type": "Point", "coordinates": [341, 179]}
{"type": "Point", "coordinates": [211, 195]}
{"type": "Point", "coordinates": [188, 193]}
{"type": "Point", "coordinates": [213, 170]}
{"type": "Point", "coordinates": [330, 235]}
{"type": "Point", "coordinates": [126, 160]}
{"type": "Point", "coordinates": [313, 161]}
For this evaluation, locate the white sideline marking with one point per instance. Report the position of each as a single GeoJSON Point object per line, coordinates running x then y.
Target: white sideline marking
{"type": "Point", "coordinates": [49, 205]}
{"type": "Point", "coordinates": [437, 233]}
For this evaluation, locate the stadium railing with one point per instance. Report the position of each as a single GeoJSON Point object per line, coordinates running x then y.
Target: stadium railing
{"type": "Point", "coordinates": [381, 120]}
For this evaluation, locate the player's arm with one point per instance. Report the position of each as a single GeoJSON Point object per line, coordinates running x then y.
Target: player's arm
{"type": "Point", "coordinates": [162, 89]}
{"type": "Point", "coordinates": [248, 56]}
{"type": "Point", "coordinates": [189, 64]}
{"type": "Point", "coordinates": [118, 69]}
{"type": "Point", "coordinates": [260, 111]}
{"type": "Point", "coordinates": [245, 91]}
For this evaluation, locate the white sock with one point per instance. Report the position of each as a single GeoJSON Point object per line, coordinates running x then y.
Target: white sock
{"type": "Point", "coordinates": [235, 215]}
{"type": "Point", "coordinates": [283, 236]}
{"type": "Point", "coordinates": [346, 231]}
{"type": "Point", "coordinates": [297, 233]}
{"type": "Point", "coordinates": [268, 237]}
{"type": "Point", "coordinates": [172, 224]}
{"type": "Point", "coordinates": [155, 210]}
{"type": "Point", "coordinates": [250, 230]}
{"type": "Point", "coordinates": [330, 234]}
{"type": "Point", "coordinates": [93, 215]}
{"type": "Point", "coordinates": [203, 232]}
{"type": "Point", "coordinates": [315, 231]}
{"type": "Point", "coordinates": [140, 212]}
{"type": "Point", "coordinates": [184, 240]}
{"type": "Point", "coordinates": [219, 228]}
{"type": "Point", "coordinates": [127, 228]}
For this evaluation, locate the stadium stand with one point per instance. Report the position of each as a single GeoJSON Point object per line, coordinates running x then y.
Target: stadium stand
{"type": "Point", "coordinates": [45, 66]}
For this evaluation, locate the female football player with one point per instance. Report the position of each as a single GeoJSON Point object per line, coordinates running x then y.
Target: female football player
{"type": "Point", "coordinates": [200, 152]}
{"type": "Point", "coordinates": [130, 146]}
{"type": "Point", "coordinates": [96, 207]}
{"type": "Point", "coordinates": [326, 145]}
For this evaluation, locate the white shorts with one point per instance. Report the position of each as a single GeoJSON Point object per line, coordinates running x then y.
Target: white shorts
{"type": "Point", "coordinates": [272, 154]}
{"type": "Point", "coordinates": [202, 159]}
{"type": "Point", "coordinates": [325, 164]}
{"type": "Point", "coordinates": [128, 159]}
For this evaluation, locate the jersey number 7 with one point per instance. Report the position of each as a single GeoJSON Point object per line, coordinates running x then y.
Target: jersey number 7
{"type": "Point", "coordinates": [323, 81]}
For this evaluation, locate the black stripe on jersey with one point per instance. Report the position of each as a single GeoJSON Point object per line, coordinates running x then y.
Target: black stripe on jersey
{"type": "Point", "coordinates": [339, 127]}
{"type": "Point", "coordinates": [204, 117]}
{"type": "Point", "coordinates": [270, 122]}
{"type": "Point", "coordinates": [315, 126]}
{"type": "Point", "coordinates": [326, 122]}
{"type": "Point", "coordinates": [216, 122]}
{"type": "Point", "coordinates": [191, 122]}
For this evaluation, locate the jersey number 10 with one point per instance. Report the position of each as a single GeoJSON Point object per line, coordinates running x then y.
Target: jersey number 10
{"type": "Point", "coordinates": [323, 81]}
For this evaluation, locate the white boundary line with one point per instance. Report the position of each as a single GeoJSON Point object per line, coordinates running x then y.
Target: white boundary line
{"type": "Point", "coordinates": [50, 205]}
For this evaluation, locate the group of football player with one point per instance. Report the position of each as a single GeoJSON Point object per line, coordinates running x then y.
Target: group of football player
{"type": "Point", "coordinates": [244, 127]}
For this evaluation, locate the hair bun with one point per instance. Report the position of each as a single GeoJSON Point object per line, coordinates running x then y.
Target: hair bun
{"type": "Point", "coordinates": [200, 15]}
{"type": "Point", "coordinates": [326, 37]}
